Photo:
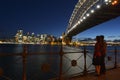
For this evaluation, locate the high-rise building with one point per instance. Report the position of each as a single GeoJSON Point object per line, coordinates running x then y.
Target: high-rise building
{"type": "Point", "coordinates": [19, 36]}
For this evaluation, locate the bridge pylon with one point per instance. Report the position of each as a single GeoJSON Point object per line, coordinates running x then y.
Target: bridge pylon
{"type": "Point", "coordinates": [66, 39]}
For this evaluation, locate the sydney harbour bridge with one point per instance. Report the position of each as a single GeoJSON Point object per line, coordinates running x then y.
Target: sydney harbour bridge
{"type": "Point", "coordinates": [89, 13]}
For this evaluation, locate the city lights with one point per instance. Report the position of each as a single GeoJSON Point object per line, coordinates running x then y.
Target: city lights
{"type": "Point", "coordinates": [106, 0]}
{"type": "Point", "coordinates": [114, 2]}
{"type": "Point", "coordinates": [110, 1]}
{"type": "Point", "coordinates": [20, 37]}
{"type": "Point", "coordinates": [81, 20]}
{"type": "Point", "coordinates": [78, 22]}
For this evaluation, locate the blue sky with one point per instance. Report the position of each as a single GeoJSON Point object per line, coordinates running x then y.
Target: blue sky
{"type": "Point", "coordinates": [46, 16]}
{"type": "Point", "coordinates": [110, 29]}
{"type": "Point", "coordinates": [38, 16]}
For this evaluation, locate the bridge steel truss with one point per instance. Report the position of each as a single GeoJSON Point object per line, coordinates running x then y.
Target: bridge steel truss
{"type": "Point", "coordinates": [89, 13]}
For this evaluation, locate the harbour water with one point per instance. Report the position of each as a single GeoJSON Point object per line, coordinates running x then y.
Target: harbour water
{"type": "Point", "coordinates": [12, 66]}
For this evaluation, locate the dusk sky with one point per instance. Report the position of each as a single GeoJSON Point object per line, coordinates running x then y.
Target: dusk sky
{"type": "Point", "coordinates": [110, 29]}
{"type": "Point", "coordinates": [46, 17]}
{"type": "Point", "coordinates": [38, 16]}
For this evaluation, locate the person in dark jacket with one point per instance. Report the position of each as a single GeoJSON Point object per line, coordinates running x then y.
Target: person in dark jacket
{"type": "Point", "coordinates": [103, 51]}
{"type": "Point", "coordinates": [97, 55]}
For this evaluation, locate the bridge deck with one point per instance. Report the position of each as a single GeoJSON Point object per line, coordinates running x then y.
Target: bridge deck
{"type": "Point", "coordinates": [113, 74]}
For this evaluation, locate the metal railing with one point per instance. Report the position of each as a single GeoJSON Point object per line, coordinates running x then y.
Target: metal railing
{"type": "Point", "coordinates": [66, 65]}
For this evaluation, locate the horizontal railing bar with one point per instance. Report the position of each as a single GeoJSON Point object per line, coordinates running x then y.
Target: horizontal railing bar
{"type": "Point", "coordinates": [27, 54]}
{"type": "Point", "coordinates": [72, 52]}
{"type": "Point", "coordinates": [42, 53]}
{"type": "Point", "coordinates": [13, 54]}
{"type": "Point", "coordinates": [113, 51]}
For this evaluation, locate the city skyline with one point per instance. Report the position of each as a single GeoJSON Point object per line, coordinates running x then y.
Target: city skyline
{"type": "Point", "coordinates": [47, 17]}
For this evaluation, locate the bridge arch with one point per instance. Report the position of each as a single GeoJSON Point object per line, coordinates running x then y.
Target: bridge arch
{"type": "Point", "coordinates": [89, 13]}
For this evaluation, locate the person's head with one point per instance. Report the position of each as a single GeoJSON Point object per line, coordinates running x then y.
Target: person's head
{"type": "Point", "coordinates": [101, 38]}
{"type": "Point", "coordinates": [97, 38]}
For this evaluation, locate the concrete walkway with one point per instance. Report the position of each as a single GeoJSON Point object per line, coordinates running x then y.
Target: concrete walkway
{"type": "Point", "coordinates": [113, 74]}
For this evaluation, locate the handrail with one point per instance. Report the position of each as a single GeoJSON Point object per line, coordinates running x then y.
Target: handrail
{"type": "Point", "coordinates": [74, 62]}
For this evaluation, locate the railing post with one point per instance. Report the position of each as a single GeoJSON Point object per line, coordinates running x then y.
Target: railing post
{"type": "Point", "coordinates": [85, 66]}
{"type": "Point", "coordinates": [115, 65]}
{"type": "Point", "coordinates": [24, 56]}
{"type": "Point", "coordinates": [61, 62]}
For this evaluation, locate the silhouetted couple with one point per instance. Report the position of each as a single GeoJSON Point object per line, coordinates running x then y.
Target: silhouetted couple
{"type": "Point", "coordinates": [99, 55]}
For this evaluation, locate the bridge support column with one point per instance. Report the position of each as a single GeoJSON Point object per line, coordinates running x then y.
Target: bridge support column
{"type": "Point", "coordinates": [67, 40]}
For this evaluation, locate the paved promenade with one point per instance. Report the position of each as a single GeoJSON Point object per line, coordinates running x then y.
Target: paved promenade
{"type": "Point", "coordinates": [113, 74]}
